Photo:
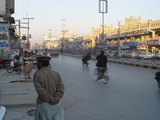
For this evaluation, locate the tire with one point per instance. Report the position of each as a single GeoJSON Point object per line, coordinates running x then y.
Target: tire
{"type": "Point", "coordinates": [34, 66]}
{"type": "Point", "coordinates": [86, 64]}
{"type": "Point", "coordinates": [105, 77]}
{"type": "Point", "coordinates": [96, 71]}
{"type": "Point", "coordinates": [9, 69]}
{"type": "Point", "coordinates": [19, 70]}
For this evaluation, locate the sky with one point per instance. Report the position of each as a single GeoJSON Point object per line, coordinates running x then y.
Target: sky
{"type": "Point", "coordinates": [80, 15]}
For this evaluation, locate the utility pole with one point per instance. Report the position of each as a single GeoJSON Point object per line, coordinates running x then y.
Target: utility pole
{"type": "Point", "coordinates": [19, 26]}
{"type": "Point", "coordinates": [63, 27]}
{"type": "Point", "coordinates": [103, 8]}
{"type": "Point", "coordinates": [28, 27]}
{"type": "Point", "coordinates": [118, 43]}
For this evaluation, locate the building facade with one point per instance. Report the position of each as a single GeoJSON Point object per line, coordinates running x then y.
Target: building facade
{"type": "Point", "coordinates": [135, 33]}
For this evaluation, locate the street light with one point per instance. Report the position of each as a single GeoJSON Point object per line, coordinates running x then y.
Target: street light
{"type": "Point", "coordinates": [103, 5]}
{"type": "Point", "coordinates": [63, 31]}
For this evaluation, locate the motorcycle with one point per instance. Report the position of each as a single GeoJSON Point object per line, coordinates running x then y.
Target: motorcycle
{"type": "Point", "coordinates": [157, 77]}
{"type": "Point", "coordinates": [17, 67]}
{"type": "Point", "coordinates": [85, 63]}
{"type": "Point", "coordinates": [4, 62]}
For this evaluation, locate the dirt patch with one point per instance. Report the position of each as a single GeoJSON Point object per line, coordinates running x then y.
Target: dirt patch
{"type": "Point", "coordinates": [31, 112]}
{"type": "Point", "coordinates": [22, 81]}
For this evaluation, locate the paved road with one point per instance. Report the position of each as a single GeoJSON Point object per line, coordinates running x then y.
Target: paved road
{"type": "Point", "coordinates": [131, 94]}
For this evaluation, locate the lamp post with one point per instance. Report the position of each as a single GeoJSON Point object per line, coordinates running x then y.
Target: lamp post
{"type": "Point", "coordinates": [19, 27]}
{"type": "Point", "coordinates": [118, 43]}
{"type": "Point", "coordinates": [63, 32]}
{"type": "Point", "coordinates": [103, 6]}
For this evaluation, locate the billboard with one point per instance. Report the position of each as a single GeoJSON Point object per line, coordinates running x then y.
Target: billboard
{"type": "Point", "coordinates": [4, 33]}
{"type": "Point", "coordinates": [2, 7]}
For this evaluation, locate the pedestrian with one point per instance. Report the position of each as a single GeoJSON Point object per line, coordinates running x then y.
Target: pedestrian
{"type": "Point", "coordinates": [50, 89]}
{"type": "Point", "coordinates": [27, 67]}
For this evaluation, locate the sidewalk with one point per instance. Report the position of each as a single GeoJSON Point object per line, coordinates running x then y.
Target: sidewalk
{"type": "Point", "coordinates": [20, 97]}
{"type": "Point", "coordinates": [17, 97]}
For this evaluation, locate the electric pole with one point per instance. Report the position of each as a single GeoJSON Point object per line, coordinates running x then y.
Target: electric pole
{"type": "Point", "coordinates": [63, 27]}
{"type": "Point", "coordinates": [19, 26]}
{"type": "Point", "coordinates": [103, 8]}
{"type": "Point", "coordinates": [118, 43]}
{"type": "Point", "coordinates": [28, 35]}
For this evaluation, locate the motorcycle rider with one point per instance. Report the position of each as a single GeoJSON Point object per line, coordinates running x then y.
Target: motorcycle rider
{"type": "Point", "coordinates": [86, 56]}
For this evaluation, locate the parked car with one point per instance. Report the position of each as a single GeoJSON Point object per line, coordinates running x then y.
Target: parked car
{"type": "Point", "coordinates": [54, 54]}
{"type": "Point", "coordinates": [39, 53]}
{"type": "Point", "coordinates": [145, 55]}
{"type": "Point", "coordinates": [125, 54]}
{"type": "Point", "coordinates": [134, 54]}
{"type": "Point", "coordinates": [111, 53]}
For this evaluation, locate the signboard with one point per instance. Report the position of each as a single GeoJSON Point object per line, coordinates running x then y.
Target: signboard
{"type": "Point", "coordinates": [102, 38]}
{"type": "Point", "coordinates": [152, 42]}
{"type": "Point", "coordinates": [138, 32]}
{"type": "Point", "coordinates": [103, 6]}
{"type": "Point", "coordinates": [2, 7]}
{"type": "Point", "coordinates": [4, 33]}
{"type": "Point", "coordinates": [143, 47]}
{"type": "Point", "coordinates": [132, 43]}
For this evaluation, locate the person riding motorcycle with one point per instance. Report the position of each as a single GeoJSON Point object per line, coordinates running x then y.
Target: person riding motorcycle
{"type": "Point", "coordinates": [86, 56]}
{"type": "Point", "coordinates": [101, 63]}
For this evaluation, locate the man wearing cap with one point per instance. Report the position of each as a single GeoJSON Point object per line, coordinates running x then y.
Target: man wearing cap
{"type": "Point", "coordinates": [50, 90]}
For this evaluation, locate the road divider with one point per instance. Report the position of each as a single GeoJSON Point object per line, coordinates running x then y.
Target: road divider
{"type": "Point", "coordinates": [118, 62]}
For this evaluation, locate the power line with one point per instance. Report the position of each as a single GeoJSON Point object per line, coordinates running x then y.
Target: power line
{"type": "Point", "coordinates": [28, 26]}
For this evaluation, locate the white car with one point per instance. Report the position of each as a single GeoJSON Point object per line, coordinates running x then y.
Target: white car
{"type": "Point", "coordinates": [134, 54]}
{"type": "Point", "coordinates": [39, 53]}
{"type": "Point", "coordinates": [145, 55]}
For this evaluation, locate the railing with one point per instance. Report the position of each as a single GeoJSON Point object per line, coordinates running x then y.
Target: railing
{"type": "Point", "coordinates": [154, 61]}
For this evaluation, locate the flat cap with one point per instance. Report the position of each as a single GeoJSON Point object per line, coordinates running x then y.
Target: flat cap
{"type": "Point", "coordinates": [43, 58]}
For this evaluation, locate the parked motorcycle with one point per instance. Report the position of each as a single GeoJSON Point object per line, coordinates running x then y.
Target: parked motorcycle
{"type": "Point", "coordinates": [4, 62]}
{"type": "Point", "coordinates": [17, 67]}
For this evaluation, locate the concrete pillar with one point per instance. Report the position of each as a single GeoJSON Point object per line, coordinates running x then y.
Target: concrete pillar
{"type": "Point", "coordinates": [142, 38]}
{"type": "Point", "coordinates": [153, 34]}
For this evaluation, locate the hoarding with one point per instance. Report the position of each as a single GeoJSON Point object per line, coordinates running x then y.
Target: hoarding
{"type": "Point", "coordinates": [4, 33]}
{"type": "Point", "coordinates": [138, 32]}
{"type": "Point", "coordinates": [2, 7]}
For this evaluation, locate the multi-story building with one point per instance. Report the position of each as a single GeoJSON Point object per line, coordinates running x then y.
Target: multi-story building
{"type": "Point", "coordinates": [135, 33]}
{"type": "Point", "coordinates": [6, 30]}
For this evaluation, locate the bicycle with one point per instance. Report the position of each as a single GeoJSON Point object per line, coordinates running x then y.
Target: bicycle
{"type": "Point", "coordinates": [103, 74]}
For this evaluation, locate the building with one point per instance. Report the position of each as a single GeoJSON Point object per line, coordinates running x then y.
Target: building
{"type": "Point", "coordinates": [6, 21]}
{"type": "Point", "coordinates": [52, 44]}
{"type": "Point", "coordinates": [134, 34]}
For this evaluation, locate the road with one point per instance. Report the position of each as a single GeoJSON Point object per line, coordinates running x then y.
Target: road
{"type": "Point", "coordinates": [131, 94]}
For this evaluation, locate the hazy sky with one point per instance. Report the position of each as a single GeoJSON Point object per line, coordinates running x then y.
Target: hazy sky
{"type": "Point", "coordinates": [80, 15]}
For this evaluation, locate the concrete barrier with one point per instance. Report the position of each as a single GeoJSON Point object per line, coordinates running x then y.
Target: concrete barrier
{"type": "Point", "coordinates": [119, 62]}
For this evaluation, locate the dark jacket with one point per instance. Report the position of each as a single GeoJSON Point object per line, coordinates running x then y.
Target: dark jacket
{"type": "Point", "coordinates": [102, 61]}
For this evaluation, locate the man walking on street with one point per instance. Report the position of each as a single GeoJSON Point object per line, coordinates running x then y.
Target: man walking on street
{"type": "Point", "coordinates": [50, 90]}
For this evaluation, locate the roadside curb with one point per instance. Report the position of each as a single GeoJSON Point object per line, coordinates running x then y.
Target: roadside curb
{"type": "Point", "coordinates": [136, 65]}
{"type": "Point", "coordinates": [20, 105]}
{"type": "Point", "coordinates": [125, 63]}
